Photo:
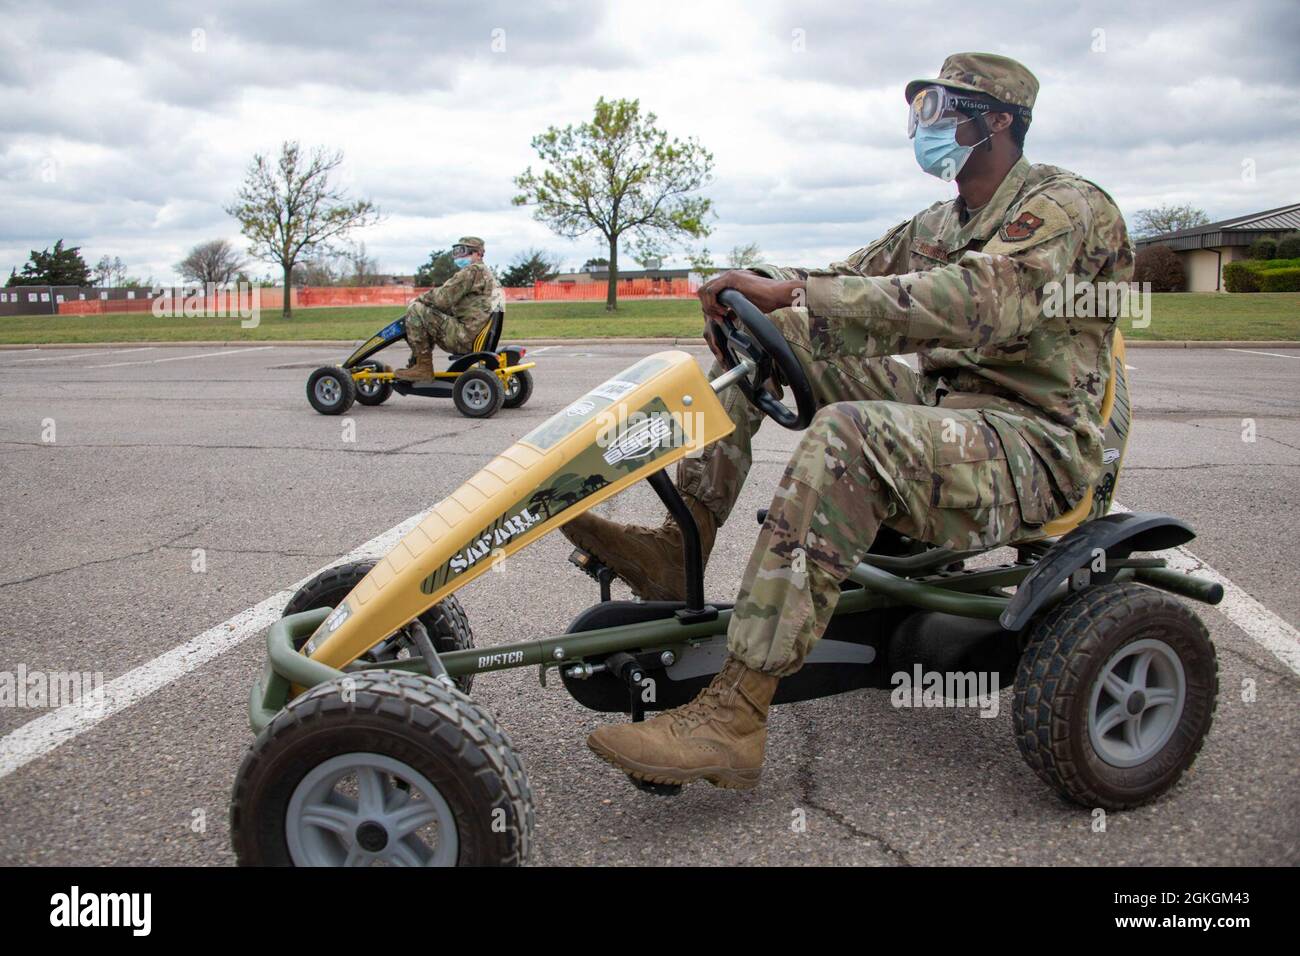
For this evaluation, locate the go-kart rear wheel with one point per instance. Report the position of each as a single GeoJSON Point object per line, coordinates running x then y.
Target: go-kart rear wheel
{"type": "Point", "coordinates": [370, 391]}
{"type": "Point", "coordinates": [478, 393]}
{"type": "Point", "coordinates": [1114, 695]}
{"type": "Point", "coordinates": [382, 768]}
{"type": "Point", "coordinates": [519, 390]}
{"type": "Point", "coordinates": [331, 390]}
{"type": "Point", "coordinates": [446, 621]}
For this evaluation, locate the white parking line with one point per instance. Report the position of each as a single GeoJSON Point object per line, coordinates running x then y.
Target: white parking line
{"type": "Point", "coordinates": [81, 355]}
{"type": "Point", "coordinates": [181, 358]}
{"type": "Point", "coordinates": [1273, 354]}
{"type": "Point", "coordinates": [1258, 622]}
{"type": "Point", "coordinates": [38, 737]}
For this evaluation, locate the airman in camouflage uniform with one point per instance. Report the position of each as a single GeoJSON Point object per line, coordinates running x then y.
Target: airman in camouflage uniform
{"type": "Point", "coordinates": [999, 432]}
{"type": "Point", "coordinates": [452, 315]}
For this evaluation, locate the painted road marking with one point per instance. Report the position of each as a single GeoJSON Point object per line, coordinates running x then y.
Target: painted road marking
{"type": "Point", "coordinates": [38, 737]}
{"type": "Point", "coordinates": [1273, 354]}
{"type": "Point", "coordinates": [81, 355]}
{"type": "Point", "coordinates": [181, 358]}
{"type": "Point", "coordinates": [1258, 622]}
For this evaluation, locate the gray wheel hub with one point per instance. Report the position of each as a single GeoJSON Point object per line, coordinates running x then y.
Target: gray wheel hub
{"type": "Point", "coordinates": [1136, 702]}
{"type": "Point", "coordinates": [477, 394]}
{"type": "Point", "coordinates": [366, 809]}
{"type": "Point", "coordinates": [328, 390]}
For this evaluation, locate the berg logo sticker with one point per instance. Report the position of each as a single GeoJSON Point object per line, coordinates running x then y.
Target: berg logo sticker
{"type": "Point", "coordinates": [580, 407]}
{"type": "Point", "coordinates": [1109, 455]}
{"type": "Point", "coordinates": [337, 617]}
{"type": "Point", "coordinates": [639, 440]}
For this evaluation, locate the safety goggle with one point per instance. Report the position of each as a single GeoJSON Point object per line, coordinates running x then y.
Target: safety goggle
{"type": "Point", "coordinates": [459, 250]}
{"type": "Point", "coordinates": [933, 105]}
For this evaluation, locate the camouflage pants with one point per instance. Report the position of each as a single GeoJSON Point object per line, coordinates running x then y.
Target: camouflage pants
{"type": "Point", "coordinates": [427, 327]}
{"type": "Point", "coordinates": [873, 455]}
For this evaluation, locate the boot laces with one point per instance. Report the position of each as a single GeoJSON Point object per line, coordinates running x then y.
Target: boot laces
{"type": "Point", "coordinates": [702, 708]}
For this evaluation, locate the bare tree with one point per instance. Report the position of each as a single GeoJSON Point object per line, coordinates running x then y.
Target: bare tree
{"type": "Point", "coordinates": [1158, 221]}
{"type": "Point", "coordinates": [745, 257]}
{"type": "Point", "coordinates": [216, 261]}
{"type": "Point", "coordinates": [109, 272]}
{"type": "Point", "coordinates": [289, 209]}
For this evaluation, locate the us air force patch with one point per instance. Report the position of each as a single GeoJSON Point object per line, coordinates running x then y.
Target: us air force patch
{"type": "Point", "coordinates": [1021, 228]}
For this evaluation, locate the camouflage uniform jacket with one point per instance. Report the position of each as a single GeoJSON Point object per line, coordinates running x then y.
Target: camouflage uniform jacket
{"type": "Point", "coordinates": [969, 297]}
{"type": "Point", "coordinates": [468, 298]}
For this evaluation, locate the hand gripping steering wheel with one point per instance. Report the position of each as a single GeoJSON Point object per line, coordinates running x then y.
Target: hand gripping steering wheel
{"type": "Point", "coordinates": [761, 346]}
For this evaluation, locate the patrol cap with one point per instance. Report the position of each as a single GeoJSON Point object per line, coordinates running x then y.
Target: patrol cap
{"type": "Point", "coordinates": [999, 77]}
{"type": "Point", "coordinates": [471, 242]}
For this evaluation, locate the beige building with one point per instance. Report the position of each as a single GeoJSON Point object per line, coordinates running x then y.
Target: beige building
{"type": "Point", "coordinates": [1204, 250]}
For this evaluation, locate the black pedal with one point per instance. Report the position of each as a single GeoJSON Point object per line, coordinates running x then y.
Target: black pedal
{"type": "Point", "coordinates": [591, 565]}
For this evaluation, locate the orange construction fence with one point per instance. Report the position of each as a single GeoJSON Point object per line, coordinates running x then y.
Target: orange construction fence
{"type": "Point", "coordinates": [315, 297]}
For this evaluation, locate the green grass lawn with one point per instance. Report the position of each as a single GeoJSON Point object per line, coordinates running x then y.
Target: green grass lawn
{"type": "Point", "coordinates": [1196, 316]}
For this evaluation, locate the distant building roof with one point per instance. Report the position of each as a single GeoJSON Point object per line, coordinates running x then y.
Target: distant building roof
{"type": "Point", "coordinates": [1240, 231]}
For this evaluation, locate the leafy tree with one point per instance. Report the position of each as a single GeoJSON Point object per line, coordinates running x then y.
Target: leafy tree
{"type": "Point", "coordinates": [529, 268]}
{"type": "Point", "coordinates": [745, 257]}
{"type": "Point", "coordinates": [601, 263]}
{"type": "Point", "coordinates": [289, 208]}
{"type": "Point", "coordinates": [437, 270]}
{"type": "Point", "coordinates": [618, 174]}
{"type": "Point", "coordinates": [216, 261]}
{"type": "Point", "coordinates": [57, 266]}
{"type": "Point", "coordinates": [1158, 221]}
{"type": "Point", "coordinates": [702, 262]}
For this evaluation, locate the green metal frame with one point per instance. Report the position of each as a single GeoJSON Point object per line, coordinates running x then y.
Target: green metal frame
{"type": "Point", "coordinates": [882, 581]}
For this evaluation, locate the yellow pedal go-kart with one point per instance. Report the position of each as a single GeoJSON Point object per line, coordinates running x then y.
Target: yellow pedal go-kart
{"type": "Point", "coordinates": [369, 749]}
{"type": "Point", "coordinates": [480, 382]}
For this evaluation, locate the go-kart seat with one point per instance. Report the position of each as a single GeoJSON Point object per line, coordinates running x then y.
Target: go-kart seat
{"type": "Point", "coordinates": [488, 337]}
{"type": "Point", "coordinates": [1116, 414]}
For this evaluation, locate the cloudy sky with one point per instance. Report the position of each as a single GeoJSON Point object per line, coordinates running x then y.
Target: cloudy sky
{"type": "Point", "coordinates": [126, 127]}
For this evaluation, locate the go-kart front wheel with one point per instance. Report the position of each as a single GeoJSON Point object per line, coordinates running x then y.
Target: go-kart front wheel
{"type": "Point", "coordinates": [331, 390]}
{"type": "Point", "coordinates": [519, 389]}
{"type": "Point", "coordinates": [446, 621]}
{"type": "Point", "coordinates": [371, 391]}
{"type": "Point", "coordinates": [381, 768]}
{"type": "Point", "coordinates": [478, 393]}
{"type": "Point", "coordinates": [1114, 695]}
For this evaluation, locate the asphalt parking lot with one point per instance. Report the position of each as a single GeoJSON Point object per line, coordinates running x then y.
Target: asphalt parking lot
{"type": "Point", "coordinates": [184, 486]}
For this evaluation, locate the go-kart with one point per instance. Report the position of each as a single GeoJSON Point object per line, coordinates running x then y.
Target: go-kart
{"type": "Point", "coordinates": [480, 382]}
{"type": "Point", "coordinates": [370, 750]}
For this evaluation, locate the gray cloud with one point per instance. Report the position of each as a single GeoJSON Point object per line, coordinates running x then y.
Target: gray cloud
{"type": "Point", "coordinates": [136, 141]}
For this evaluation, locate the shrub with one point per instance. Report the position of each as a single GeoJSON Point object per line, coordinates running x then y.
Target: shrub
{"type": "Point", "coordinates": [1240, 277]}
{"type": "Point", "coordinates": [1160, 266]}
{"type": "Point", "coordinates": [1280, 280]}
{"type": "Point", "coordinates": [1288, 247]}
{"type": "Point", "coordinates": [1263, 249]}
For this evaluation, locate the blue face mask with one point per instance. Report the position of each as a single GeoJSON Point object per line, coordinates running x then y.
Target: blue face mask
{"type": "Point", "coordinates": [461, 262]}
{"type": "Point", "coordinates": [938, 152]}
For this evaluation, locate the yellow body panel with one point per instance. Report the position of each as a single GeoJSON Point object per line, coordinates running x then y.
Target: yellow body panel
{"type": "Point", "coordinates": [492, 514]}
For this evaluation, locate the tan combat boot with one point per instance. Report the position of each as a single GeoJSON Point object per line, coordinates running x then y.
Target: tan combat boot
{"type": "Point", "coordinates": [718, 737]}
{"type": "Point", "coordinates": [421, 371]}
{"type": "Point", "coordinates": [648, 559]}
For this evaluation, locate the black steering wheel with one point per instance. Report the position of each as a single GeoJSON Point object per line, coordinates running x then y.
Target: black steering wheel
{"type": "Point", "coordinates": [765, 347]}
